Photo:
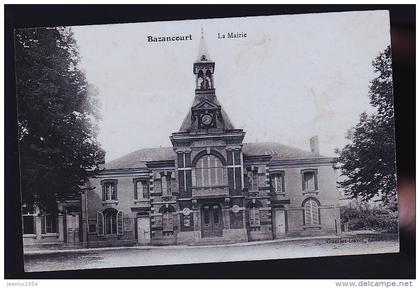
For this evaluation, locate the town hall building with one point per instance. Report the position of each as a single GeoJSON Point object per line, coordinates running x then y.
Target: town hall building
{"type": "Point", "coordinates": [210, 187]}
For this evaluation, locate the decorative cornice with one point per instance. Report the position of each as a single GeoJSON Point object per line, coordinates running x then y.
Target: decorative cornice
{"type": "Point", "coordinates": [299, 162]}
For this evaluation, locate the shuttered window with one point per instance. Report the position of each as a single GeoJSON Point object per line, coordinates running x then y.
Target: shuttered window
{"type": "Point", "coordinates": [109, 222]}
{"type": "Point", "coordinates": [311, 211]}
{"type": "Point", "coordinates": [120, 223]}
{"type": "Point", "coordinates": [100, 223]}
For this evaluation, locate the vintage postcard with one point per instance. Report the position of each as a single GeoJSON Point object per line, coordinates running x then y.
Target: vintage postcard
{"type": "Point", "coordinates": [206, 140]}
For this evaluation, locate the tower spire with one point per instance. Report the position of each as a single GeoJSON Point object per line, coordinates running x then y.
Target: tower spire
{"type": "Point", "coordinates": [203, 54]}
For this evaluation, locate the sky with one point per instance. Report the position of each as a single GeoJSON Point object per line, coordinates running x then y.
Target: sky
{"type": "Point", "coordinates": [292, 77]}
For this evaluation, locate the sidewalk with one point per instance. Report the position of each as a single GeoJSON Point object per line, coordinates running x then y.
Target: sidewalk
{"type": "Point", "coordinates": [38, 251]}
{"type": "Point", "coordinates": [346, 235]}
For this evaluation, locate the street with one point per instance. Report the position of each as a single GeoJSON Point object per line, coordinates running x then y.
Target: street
{"type": "Point", "coordinates": [144, 256]}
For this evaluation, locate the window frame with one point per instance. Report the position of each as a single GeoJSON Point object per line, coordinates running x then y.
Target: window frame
{"type": "Point", "coordinates": [273, 176]}
{"type": "Point", "coordinates": [253, 179]}
{"type": "Point", "coordinates": [206, 173]}
{"type": "Point", "coordinates": [33, 216]}
{"type": "Point", "coordinates": [44, 227]}
{"type": "Point", "coordinates": [105, 193]}
{"type": "Point", "coordinates": [315, 180]}
{"type": "Point", "coordinates": [110, 214]}
{"type": "Point", "coordinates": [311, 212]}
{"type": "Point", "coordinates": [145, 183]}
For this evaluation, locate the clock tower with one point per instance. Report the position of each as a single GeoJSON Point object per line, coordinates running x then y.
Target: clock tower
{"type": "Point", "coordinates": [209, 163]}
{"type": "Point", "coordinates": [206, 114]}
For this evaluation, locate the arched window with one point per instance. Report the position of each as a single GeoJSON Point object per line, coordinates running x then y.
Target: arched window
{"type": "Point", "coordinates": [209, 171]}
{"type": "Point", "coordinates": [311, 208]}
{"type": "Point", "coordinates": [109, 222]}
{"type": "Point", "coordinates": [200, 80]}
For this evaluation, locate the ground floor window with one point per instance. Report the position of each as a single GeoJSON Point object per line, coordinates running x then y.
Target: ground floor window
{"type": "Point", "coordinates": [254, 217]}
{"type": "Point", "coordinates": [311, 209]}
{"type": "Point", "coordinates": [49, 224]}
{"type": "Point", "coordinates": [254, 214]}
{"type": "Point", "coordinates": [167, 219]}
{"type": "Point", "coordinates": [28, 224]}
{"type": "Point", "coordinates": [109, 222]}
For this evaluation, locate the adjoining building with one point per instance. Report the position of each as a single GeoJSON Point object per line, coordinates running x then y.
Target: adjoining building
{"type": "Point", "coordinates": [52, 230]}
{"type": "Point", "coordinates": [210, 187]}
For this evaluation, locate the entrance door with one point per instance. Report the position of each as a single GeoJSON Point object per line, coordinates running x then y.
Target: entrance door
{"type": "Point", "coordinates": [211, 221]}
{"type": "Point", "coordinates": [279, 224]}
{"type": "Point", "coordinates": [143, 230]}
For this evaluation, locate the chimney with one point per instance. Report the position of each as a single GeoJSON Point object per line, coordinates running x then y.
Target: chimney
{"type": "Point", "coordinates": [313, 142]}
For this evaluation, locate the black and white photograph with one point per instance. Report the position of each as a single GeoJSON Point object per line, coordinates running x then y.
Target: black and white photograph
{"type": "Point", "coordinates": [206, 141]}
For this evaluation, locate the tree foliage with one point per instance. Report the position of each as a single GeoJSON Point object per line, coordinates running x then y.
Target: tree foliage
{"type": "Point", "coordinates": [367, 163]}
{"type": "Point", "coordinates": [364, 216]}
{"type": "Point", "coordinates": [57, 117]}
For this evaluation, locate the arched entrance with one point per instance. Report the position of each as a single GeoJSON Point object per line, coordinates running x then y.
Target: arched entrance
{"type": "Point", "coordinates": [211, 220]}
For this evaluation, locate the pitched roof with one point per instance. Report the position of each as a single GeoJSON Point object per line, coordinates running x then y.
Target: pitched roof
{"type": "Point", "coordinates": [138, 159]}
{"type": "Point", "coordinates": [277, 151]}
{"type": "Point", "coordinates": [187, 123]}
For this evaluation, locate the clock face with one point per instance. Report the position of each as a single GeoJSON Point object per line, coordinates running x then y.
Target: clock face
{"type": "Point", "coordinates": [206, 119]}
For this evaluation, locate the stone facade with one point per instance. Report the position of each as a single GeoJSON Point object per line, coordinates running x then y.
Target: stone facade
{"type": "Point", "coordinates": [210, 187]}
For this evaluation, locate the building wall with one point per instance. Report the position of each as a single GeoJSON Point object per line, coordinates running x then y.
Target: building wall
{"type": "Point", "coordinates": [326, 194]}
{"type": "Point", "coordinates": [292, 198]}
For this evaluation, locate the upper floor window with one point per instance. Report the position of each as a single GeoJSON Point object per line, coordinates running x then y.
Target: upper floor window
{"type": "Point", "coordinates": [109, 190]}
{"type": "Point", "coordinates": [141, 189]}
{"type": "Point", "coordinates": [162, 183]}
{"type": "Point", "coordinates": [234, 170]}
{"type": "Point", "coordinates": [277, 182]}
{"type": "Point", "coordinates": [166, 185]}
{"type": "Point", "coordinates": [209, 171]}
{"type": "Point", "coordinates": [253, 179]}
{"type": "Point", "coordinates": [309, 180]}
{"type": "Point", "coordinates": [311, 210]}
